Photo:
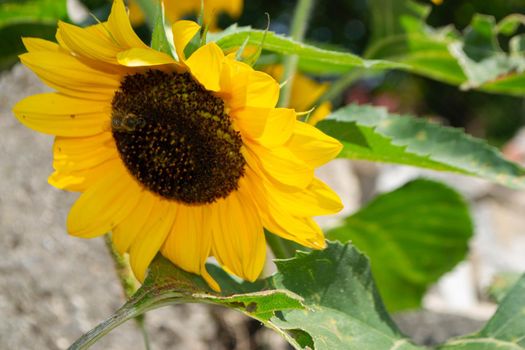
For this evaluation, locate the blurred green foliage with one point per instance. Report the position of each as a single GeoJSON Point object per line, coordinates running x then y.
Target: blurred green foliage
{"type": "Point", "coordinates": [26, 18]}
{"type": "Point", "coordinates": [347, 23]}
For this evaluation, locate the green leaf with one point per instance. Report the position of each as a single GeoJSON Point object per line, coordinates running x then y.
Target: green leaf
{"type": "Point", "coordinates": [344, 310]}
{"type": "Point", "coordinates": [159, 40]}
{"type": "Point", "coordinates": [326, 61]}
{"type": "Point", "coordinates": [323, 300]}
{"type": "Point", "coordinates": [167, 284]}
{"type": "Point", "coordinates": [501, 284]}
{"type": "Point", "coordinates": [480, 55]}
{"type": "Point", "coordinates": [473, 61]}
{"type": "Point", "coordinates": [412, 236]}
{"type": "Point", "coordinates": [393, 17]}
{"type": "Point", "coordinates": [510, 24]}
{"type": "Point", "coordinates": [32, 11]}
{"type": "Point", "coordinates": [504, 331]}
{"type": "Point", "coordinates": [28, 18]}
{"type": "Point", "coordinates": [370, 133]}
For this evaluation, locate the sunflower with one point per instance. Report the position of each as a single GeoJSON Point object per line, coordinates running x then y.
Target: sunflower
{"type": "Point", "coordinates": [176, 10]}
{"type": "Point", "coordinates": [188, 157]}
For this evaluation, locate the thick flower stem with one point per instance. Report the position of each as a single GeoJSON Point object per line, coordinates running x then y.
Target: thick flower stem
{"type": "Point", "coordinates": [124, 273]}
{"type": "Point", "coordinates": [299, 24]}
{"type": "Point", "coordinates": [125, 313]}
{"type": "Point", "coordinates": [279, 247]}
{"type": "Point", "coordinates": [128, 282]}
{"type": "Point", "coordinates": [340, 85]}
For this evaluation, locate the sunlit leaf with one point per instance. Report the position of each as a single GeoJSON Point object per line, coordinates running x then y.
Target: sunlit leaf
{"type": "Point", "coordinates": [328, 61]}
{"type": "Point", "coordinates": [159, 40]}
{"type": "Point", "coordinates": [37, 18]}
{"type": "Point", "coordinates": [412, 235]}
{"type": "Point", "coordinates": [481, 57]}
{"type": "Point", "coordinates": [344, 310]}
{"type": "Point", "coordinates": [370, 133]}
{"type": "Point", "coordinates": [324, 299]}
{"type": "Point", "coordinates": [472, 60]}
{"type": "Point", "coordinates": [504, 331]}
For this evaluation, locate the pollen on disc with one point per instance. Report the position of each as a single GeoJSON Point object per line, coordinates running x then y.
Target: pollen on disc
{"type": "Point", "coordinates": [175, 138]}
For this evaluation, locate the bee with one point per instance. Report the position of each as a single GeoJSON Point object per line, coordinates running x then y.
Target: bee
{"type": "Point", "coordinates": [126, 122]}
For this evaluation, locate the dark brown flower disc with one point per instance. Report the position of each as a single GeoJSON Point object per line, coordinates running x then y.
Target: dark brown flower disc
{"type": "Point", "coordinates": [175, 137]}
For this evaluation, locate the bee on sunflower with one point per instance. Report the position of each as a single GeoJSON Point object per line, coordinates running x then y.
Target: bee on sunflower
{"type": "Point", "coordinates": [188, 157]}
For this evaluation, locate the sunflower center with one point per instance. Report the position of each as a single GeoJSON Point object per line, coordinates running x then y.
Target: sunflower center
{"type": "Point", "coordinates": [175, 137]}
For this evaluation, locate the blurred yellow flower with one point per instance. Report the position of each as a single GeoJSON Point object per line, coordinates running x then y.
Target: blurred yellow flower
{"type": "Point", "coordinates": [176, 9]}
{"type": "Point", "coordinates": [190, 157]}
{"type": "Point", "coordinates": [305, 92]}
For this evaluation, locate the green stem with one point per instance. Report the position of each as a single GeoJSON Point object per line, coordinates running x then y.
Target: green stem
{"type": "Point", "coordinates": [122, 315]}
{"type": "Point", "coordinates": [300, 20]}
{"type": "Point", "coordinates": [281, 248]}
{"type": "Point", "coordinates": [128, 282]}
{"type": "Point", "coordinates": [142, 325]}
{"type": "Point", "coordinates": [125, 274]}
{"type": "Point", "coordinates": [134, 308]}
{"type": "Point", "coordinates": [149, 8]}
{"type": "Point", "coordinates": [339, 86]}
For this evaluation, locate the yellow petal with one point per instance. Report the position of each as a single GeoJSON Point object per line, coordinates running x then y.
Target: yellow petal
{"type": "Point", "coordinates": [251, 121]}
{"type": "Point", "coordinates": [316, 199]}
{"type": "Point", "coordinates": [262, 90]}
{"type": "Point", "coordinates": [280, 165]}
{"type": "Point", "coordinates": [124, 234]}
{"type": "Point", "coordinates": [302, 230]}
{"type": "Point", "coordinates": [139, 57]}
{"type": "Point", "coordinates": [120, 28]}
{"type": "Point", "coordinates": [80, 180]}
{"type": "Point", "coordinates": [83, 152]}
{"type": "Point", "coordinates": [183, 32]}
{"type": "Point", "coordinates": [37, 44]}
{"type": "Point", "coordinates": [70, 76]}
{"type": "Point", "coordinates": [279, 127]}
{"type": "Point", "coordinates": [242, 86]}
{"type": "Point", "coordinates": [189, 243]}
{"type": "Point", "coordinates": [234, 80]}
{"type": "Point", "coordinates": [61, 115]}
{"type": "Point", "coordinates": [268, 126]}
{"type": "Point", "coordinates": [279, 220]}
{"type": "Point", "coordinates": [98, 45]}
{"type": "Point", "coordinates": [206, 64]}
{"type": "Point", "coordinates": [149, 241]}
{"type": "Point", "coordinates": [104, 205]}
{"type": "Point", "coordinates": [313, 146]}
{"type": "Point", "coordinates": [238, 236]}
{"type": "Point", "coordinates": [94, 42]}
